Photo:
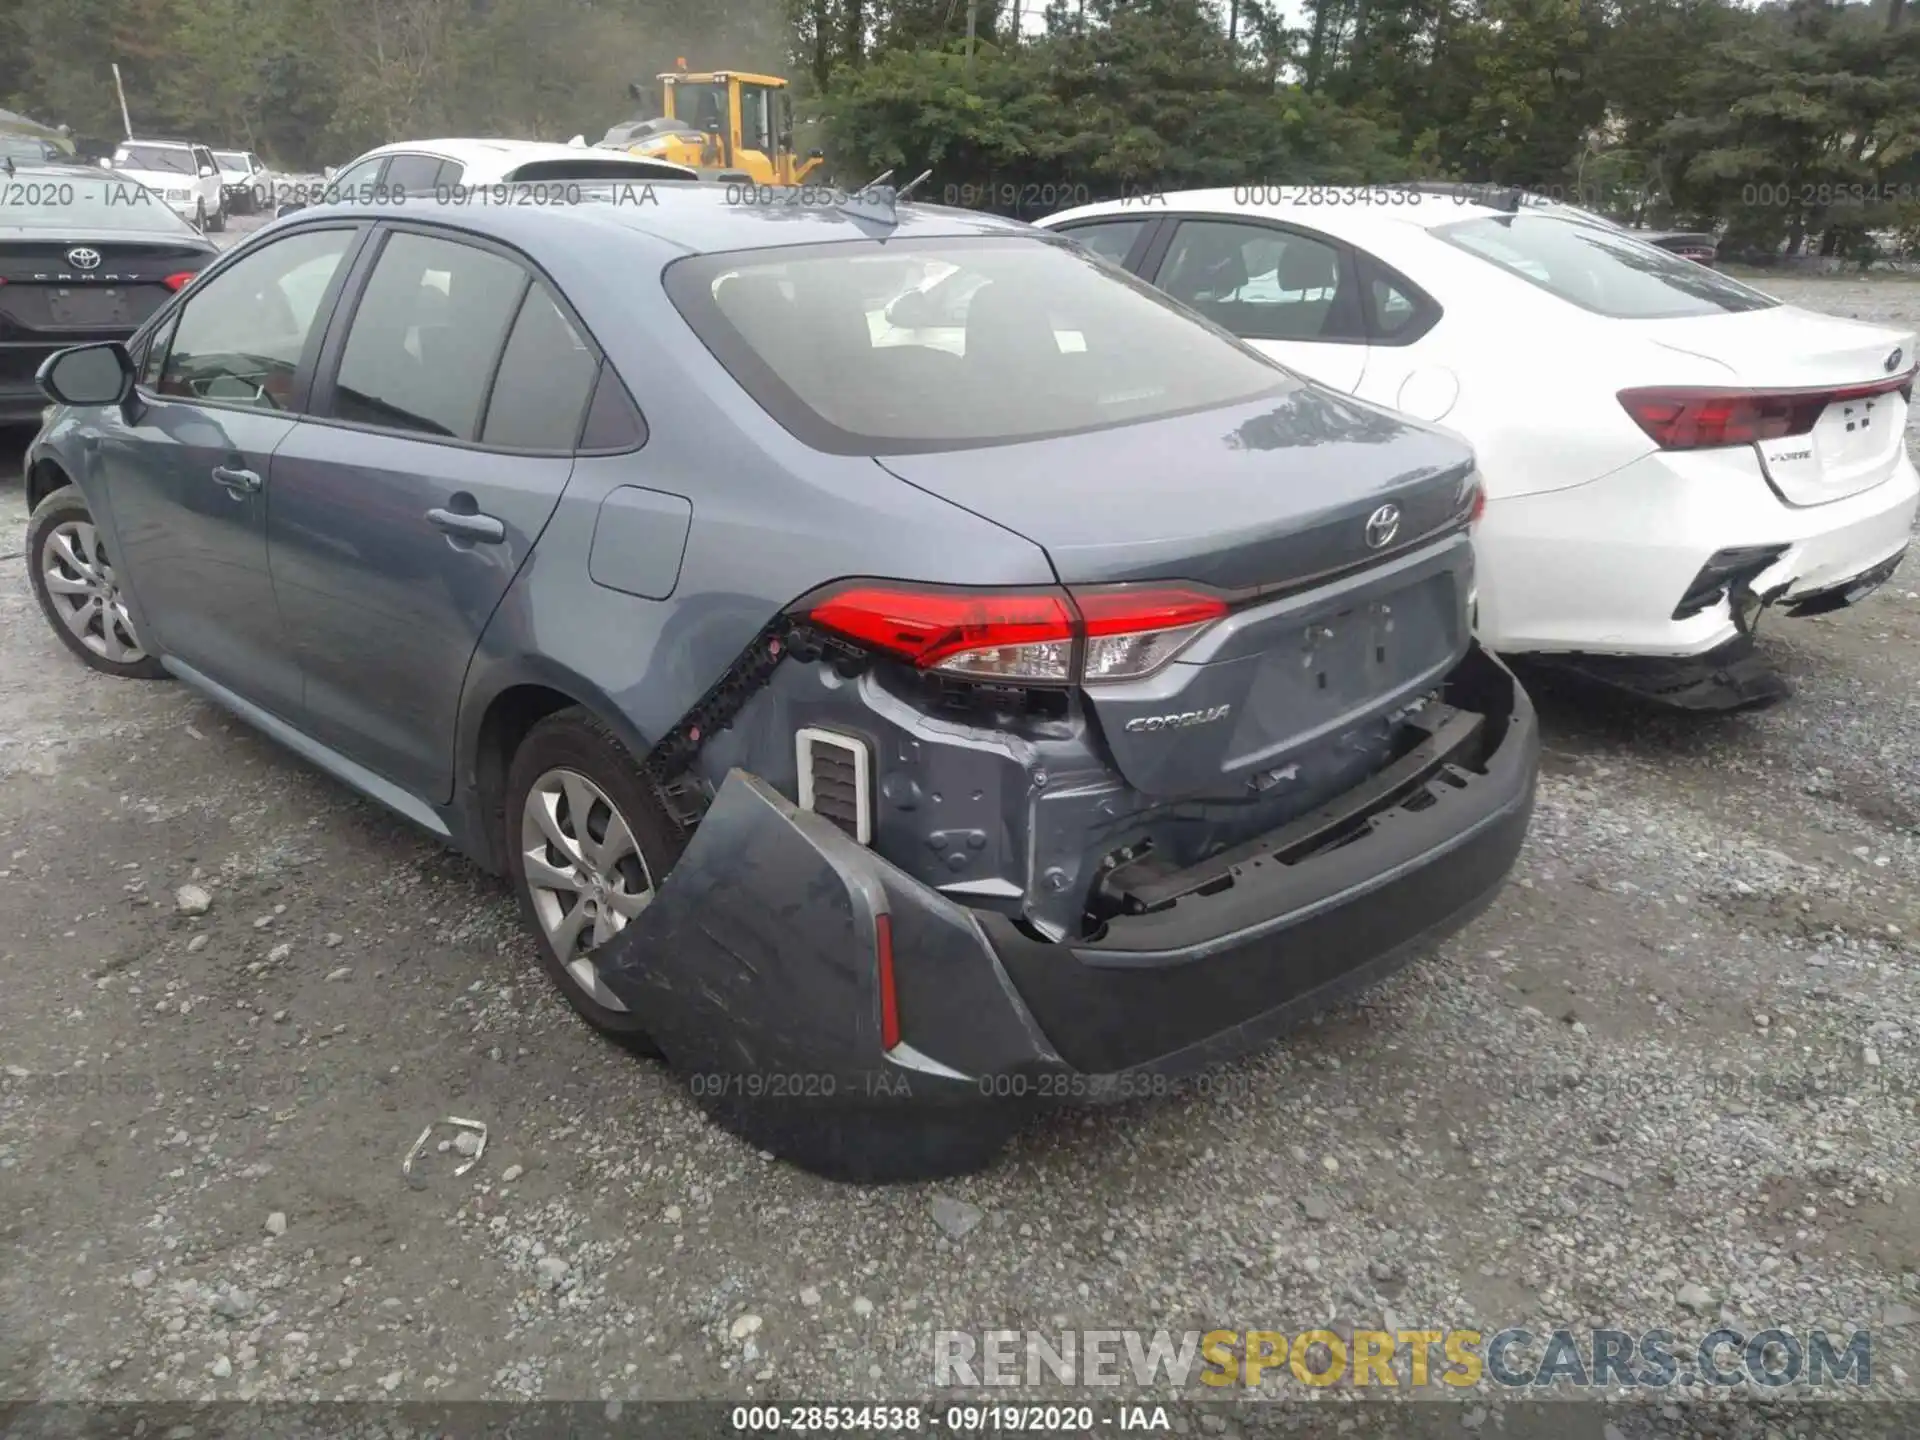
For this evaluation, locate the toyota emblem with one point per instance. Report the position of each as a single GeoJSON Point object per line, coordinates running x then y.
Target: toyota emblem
{"type": "Point", "coordinates": [83, 259]}
{"type": "Point", "coordinates": [1893, 361]}
{"type": "Point", "coordinates": [1382, 526]}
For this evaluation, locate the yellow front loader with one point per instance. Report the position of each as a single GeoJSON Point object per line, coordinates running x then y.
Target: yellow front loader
{"type": "Point", "coordinates": [725, 124]}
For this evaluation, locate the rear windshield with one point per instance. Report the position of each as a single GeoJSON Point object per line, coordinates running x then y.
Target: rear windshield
{"type": "Point", "coordinates": [947, 344]}
{"type": "Point", "coordinates": [25, 147]}
{"type": "Point", "coordinates": [59, 200]}
{"type": "Point", "coordinates": [1603, 270]}
{"type": "Point", "coordinates": [156, 157]}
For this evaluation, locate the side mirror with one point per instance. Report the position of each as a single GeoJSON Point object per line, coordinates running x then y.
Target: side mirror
{"type": "Point", "coordinates": [88, 375]}
{"type": "Point", "coordinates": [104, 163]}
{"type": "Point", "coordinates": [207, 170]}
{"type": "Point", "coordinates": [329, 172]}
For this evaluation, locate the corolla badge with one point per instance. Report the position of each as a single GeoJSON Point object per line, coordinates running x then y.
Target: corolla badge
{"type": "Point", "coordinates": [1182, 720]}
{"type": "Point", "coordinates": [1893, 361]}
{"type": "Point", "coordinates": [1382, 526]}
{"type": "Point", "coordinates": [82, 258]}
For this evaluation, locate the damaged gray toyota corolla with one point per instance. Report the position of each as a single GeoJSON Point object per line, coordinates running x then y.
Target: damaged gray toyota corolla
{"type": "Point", "coordinates": [900, 719]}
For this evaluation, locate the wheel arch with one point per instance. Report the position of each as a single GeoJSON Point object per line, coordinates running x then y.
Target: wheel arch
{"type": "Point", "coordinates": [44, 476]}
{"type": "Point", "coordinates": [497, 717]}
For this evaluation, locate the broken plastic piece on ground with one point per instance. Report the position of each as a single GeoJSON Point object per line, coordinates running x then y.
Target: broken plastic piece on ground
{"type": "Point", "coordinates": [406, 1165]}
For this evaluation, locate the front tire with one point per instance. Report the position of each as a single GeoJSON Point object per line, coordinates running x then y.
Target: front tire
{"type": "Point", "coordinates": [218, 224]}
{"type": "Point", "coordinates": [79, 593]}
{"type": "Point", "coordinates": [587, 845]}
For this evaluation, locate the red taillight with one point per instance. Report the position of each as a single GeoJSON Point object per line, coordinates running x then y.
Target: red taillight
{"type": "Point", "coordinates": [889, 1001]}
{"type": "Point", "coordinates": [176, 282]}
{"type": "Point", "coordinates": [1025, 636]}
{"type": "Point", "coordinates": [1479, 505]}
{"type": "Point", "coordinates": [932, 628]}
{"type": "Point", "coordinates": [1699, 417]}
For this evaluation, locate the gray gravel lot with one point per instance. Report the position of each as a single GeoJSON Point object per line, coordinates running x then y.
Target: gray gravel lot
{"type": "Point", "coordinates": [1672, 1078]}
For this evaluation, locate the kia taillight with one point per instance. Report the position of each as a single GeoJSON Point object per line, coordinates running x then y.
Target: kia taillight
{"type": "Point", "coordinates": [1702, 417]}
{"type": "Point", "coordinates": [1021, 637]}
{"type": "Point", "coordinates": [176, 282]}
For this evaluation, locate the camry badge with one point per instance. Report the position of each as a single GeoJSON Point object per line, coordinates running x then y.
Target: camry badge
{"type": "Point", "coordinates": [1893, 361]}
{"type": "Point", "coordinates": [82, 258]}
{"type": "Point", "coordinates": [1382, 526]}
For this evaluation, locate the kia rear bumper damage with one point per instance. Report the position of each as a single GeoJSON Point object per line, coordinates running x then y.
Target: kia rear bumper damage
{"type": "Point", "coordinates": [1746, 583]}
{"type": "Point", "coordinates": [829, 1006]}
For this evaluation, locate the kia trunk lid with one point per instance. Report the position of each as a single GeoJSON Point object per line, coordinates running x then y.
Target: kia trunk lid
{"type": "Point", "coordinates": [1833, 394]}
{"type": "Point", "coordinates": [1331, 534]}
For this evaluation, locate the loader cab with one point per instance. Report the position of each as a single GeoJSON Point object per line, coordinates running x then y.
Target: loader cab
{"type": "Point", "coordinates": [747, 119]}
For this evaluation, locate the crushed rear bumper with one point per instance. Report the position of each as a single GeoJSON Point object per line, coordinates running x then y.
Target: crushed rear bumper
{"type": "Point", "coordinates": [758, 966]}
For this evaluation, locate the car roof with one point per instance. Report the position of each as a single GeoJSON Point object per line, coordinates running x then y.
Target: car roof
{"type": "Point", "coordinates": [1335, 209]}
{"type": "Point", "coordinates": [491, 156]}
{"type": "Point", "coordinates": [693, 217]}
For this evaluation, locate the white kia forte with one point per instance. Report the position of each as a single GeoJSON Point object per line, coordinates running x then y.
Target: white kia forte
{"type": "Point", "coordinates": [1667, 452]}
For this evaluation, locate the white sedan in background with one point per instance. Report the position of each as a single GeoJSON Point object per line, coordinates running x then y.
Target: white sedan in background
{"type": "Point", "coordinates": [1666, 451]}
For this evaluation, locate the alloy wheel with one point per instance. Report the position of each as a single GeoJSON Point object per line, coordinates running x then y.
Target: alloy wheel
{"type": "Point", "coordinates": [584, 872]}
{"type": "Point", "coordinates": [86, 596]}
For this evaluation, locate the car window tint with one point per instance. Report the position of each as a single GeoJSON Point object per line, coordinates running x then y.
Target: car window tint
{"type": "Point", "coordinates": [425, 337]}
{"type": "Point", "coordinates": [1258, 282]}
{"type": "Point", "coordinates": [613, 420]}
{"type": "Point", "coordinates": [1109, 238]}
{"type": "Point", "coordinates": [357, 182]}
{"type": "Point", "coordinates": [1608, 271]}
{"type": "Point", "coordinates": [544, 382]}
{"type": "Point", "coordinates": [82, 204]}
{"type": "Point", "coordinates": [449, 174]}
{"type": "Point", "coordinates": [1393, 310]}
{"type": "Point", "coordinates": [1006, 338]}
{"type": "Point", "coordinates": [412, 174]}
{"type": "Point", "coordinates": [239, 339]}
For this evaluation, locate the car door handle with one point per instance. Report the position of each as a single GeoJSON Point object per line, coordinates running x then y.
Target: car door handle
{"type": "Point", "coordinates": [483, 528]}
{"type": "Point", "coordinates": [237, 482]}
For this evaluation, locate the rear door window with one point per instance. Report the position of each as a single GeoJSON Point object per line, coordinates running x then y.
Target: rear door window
{"type": "Point", "coordinates": [1262, 282]}
{"type": "Point", "coordinates": [1601, 269]}
{"type": "Point", "coordinates": [425, 337]}
{"type": "Point", "coordinates": [546, 378]}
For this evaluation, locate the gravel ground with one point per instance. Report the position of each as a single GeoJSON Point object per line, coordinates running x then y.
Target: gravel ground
{"type": "Point", "coordinates": [1671, 1078]}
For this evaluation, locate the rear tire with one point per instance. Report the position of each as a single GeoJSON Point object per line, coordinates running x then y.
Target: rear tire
{"type": "Point", "coordinates": [571, 762]}
{"type": "Point", "coordinates": [74, 581]}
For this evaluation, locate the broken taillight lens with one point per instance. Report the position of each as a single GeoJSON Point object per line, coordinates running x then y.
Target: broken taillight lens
{"type": "Point", "coordinates": [1702, 417]}
{"type": "Point", "coordinates": [1021, 637]}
